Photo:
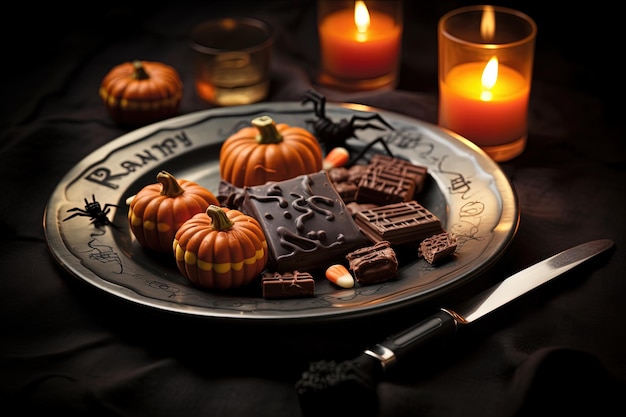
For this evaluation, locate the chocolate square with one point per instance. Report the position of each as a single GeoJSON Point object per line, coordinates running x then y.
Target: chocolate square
{"type": "Point", "coordinates": [287, 285]}
{"type": "Point", "coordinates": [306, 223]}
{"type": "Point", "coordinates": [403, 168]}
{"type": "Point", "coordinates": [382, 185]}
{"type": "Point", "coordinates": [398, 223]}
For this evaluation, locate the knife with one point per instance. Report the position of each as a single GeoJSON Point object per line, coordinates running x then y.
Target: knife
{"type": "Point", "coordinates": [368, 368]}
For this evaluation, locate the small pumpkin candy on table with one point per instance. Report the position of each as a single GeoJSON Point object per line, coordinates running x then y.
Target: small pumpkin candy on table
{"type": "Point", "coordinates": [221, 249]}
{"type": "Point", "coordinates": [141, 92]}
{"type": "Point", "coordinates": [267, 151]}
{"type": "Point", "coordinates": [157, 211]}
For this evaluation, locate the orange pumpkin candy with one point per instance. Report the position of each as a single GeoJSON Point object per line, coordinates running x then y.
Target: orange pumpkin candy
{"type": "Point", "coordinates": [221, 249]}
{"type": "Point", "coordinates": [157, 211]}
{"type": "Point", "coordinates": [141, 92]}
{"type": "Point", "coordinates": [268, 152]}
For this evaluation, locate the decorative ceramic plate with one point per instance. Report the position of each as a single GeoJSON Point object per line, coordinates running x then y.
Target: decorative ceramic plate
{"type": "Point", "coordinates": [465, 189]}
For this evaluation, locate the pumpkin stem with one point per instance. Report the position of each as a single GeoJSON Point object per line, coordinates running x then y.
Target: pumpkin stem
{"type": "Point", "coordinates": [171, 187]}
{"type": "Point", "coordinates": [219, 218]}
{"type": "Point", "coordinates": [140, 71]}
{"type": "Point", "coordinates": [267, 130]}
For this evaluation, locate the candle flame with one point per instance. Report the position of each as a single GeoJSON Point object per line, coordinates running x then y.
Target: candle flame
{"type": "Point", "coordinates": [489, 78]}
{"type": "Point", "coordinates": [488, 24]}
{"type": "Point", "coordinates": [361, 17]}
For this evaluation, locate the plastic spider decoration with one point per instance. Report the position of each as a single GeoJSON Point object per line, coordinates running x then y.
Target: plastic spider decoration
{"type": "Point", "coordinates": [95, 211]}
{"type": "Point", "coordinates": [336, 134]}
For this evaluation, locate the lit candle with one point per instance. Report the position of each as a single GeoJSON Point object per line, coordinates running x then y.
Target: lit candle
{"type": "Point", "coordinates": [486, 104]}
{"type": "Point", "coordinates": [485, 77]}
{"type": "Point", "coordinates": [359, 43]}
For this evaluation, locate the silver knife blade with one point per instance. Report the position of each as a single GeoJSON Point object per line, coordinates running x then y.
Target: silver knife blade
{"type": "Point", "coordinates": [528, 279]}
{"type": "Point", "coordinates": [444, 324]}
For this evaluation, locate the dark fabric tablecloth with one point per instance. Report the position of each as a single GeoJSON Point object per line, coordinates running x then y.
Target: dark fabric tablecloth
{"type": "Point", "coordinates": [69, 348]}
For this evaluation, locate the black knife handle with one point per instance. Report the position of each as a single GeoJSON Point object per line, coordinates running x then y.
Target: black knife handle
{"type": "Point", "coordinates": [435, 329]}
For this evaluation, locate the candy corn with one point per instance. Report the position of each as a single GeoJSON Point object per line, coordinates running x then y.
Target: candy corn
{"type": "Point", "coordinates": [337, 157]}
{"type": "Point", "coordinates": [339, 274]}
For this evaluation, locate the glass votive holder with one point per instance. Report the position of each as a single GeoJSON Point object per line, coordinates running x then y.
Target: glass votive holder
{"type": "Point", "coordinates": [485, 69]}
{"type": "Point", "coordinates": [231, 58]}
{"type": "Point", "coordinates": [360, 43]}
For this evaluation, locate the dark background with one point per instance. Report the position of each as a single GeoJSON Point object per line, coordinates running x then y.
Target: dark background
{"type": "Point", "coordinates": [576, 46]}
{"type": "Point", "coordinates": [65, 347]}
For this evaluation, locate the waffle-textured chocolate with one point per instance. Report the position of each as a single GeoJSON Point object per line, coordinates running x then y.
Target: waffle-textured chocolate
{"type": "Point", "coordinates": [404, 168]}
{"type": "Point", "coordinates": [288, 285]}
{"type": "Point", "coordinates": [382, 185]}
{"type": "Point", "coordinates": [373, 264]}
{"type": "Point", "coordinates": [306, 223]}
{"type": "Point", "coordinates": [398, 223]}
{"type": "Point", "coordinates": [437, 247]}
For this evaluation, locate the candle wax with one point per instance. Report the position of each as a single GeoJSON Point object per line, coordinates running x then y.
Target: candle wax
{"type": "Point", "coordinates": [348, 54]}
{"type": "Point", "coordinates": [501, 120]}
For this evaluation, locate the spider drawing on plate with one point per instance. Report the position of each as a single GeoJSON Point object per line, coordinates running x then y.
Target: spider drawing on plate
{"type": "Point", "coordinates": [95, 211]}
{"type": "Point", "coordinates": [336, 134]}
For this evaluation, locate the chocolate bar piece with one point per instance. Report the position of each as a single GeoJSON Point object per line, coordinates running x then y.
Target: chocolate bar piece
{"type": "Point", "coordinates": [287, 285]}
{"type": "Point", "coordinates": [374, 264]}
{"type": "Point", "coordinates": [306, 223]}
{"type": "Point", "coordinates": [382, 185]}
{"type": "Point", "coordinates": [338, 174]}
{"type": "Point", "coordinates": [356, 172]}
{"type": "Point", "coordinates": [404, 168]}
{"type": "Point", "coordinates": [437, 247]}
{"type": "Point", "coordinates": [347, 191]}
{"type": "Point", "coordinates": [346, 181]}
{"type": "Point", "coordinates": [398, 223]}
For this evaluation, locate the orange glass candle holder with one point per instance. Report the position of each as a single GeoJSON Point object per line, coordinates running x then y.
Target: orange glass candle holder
{"type": "Point", "coordinates": [485, 69]}
{"type": "Point", "coordinates": [360, 43]}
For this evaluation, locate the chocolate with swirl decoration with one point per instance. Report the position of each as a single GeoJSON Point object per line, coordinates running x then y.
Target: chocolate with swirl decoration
{"type": "Point", "coordinates": [305, 221]}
